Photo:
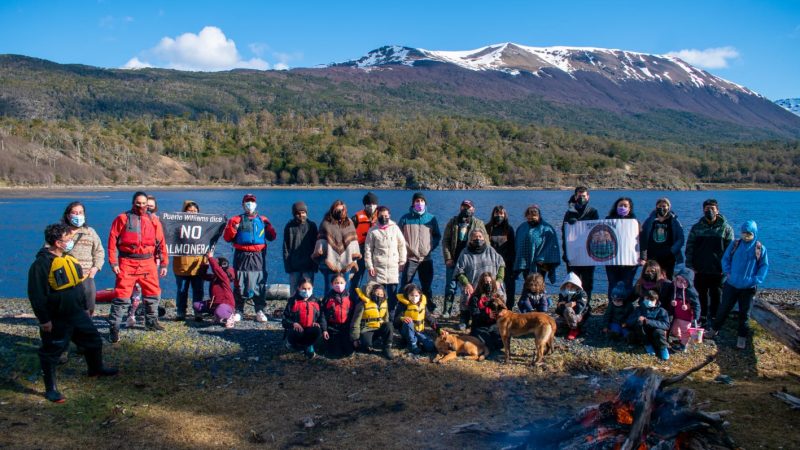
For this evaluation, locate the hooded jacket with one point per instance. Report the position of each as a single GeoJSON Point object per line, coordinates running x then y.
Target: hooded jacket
{"type": "Point", "coordinates": [220, 289]}
{"type": "Point", "coordinates": [740, 264]}
{"type": "Point", "coordinates": [422, 234]}
{"type": "Point", "coordinates": [385, 251]}
{"type": "Point", "coordinates": [678, 236]}
{"type": "Point", "coordinates": [49, 304]}
{"type": "Point", "coordinates": [579, 297]}
{"type": "Point", "coordinates": [688, 296]}
{"type": "Point", "coordinates": [706, 244]}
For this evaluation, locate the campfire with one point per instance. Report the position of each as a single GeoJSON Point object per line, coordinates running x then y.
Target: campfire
{"type": "Point", "coordinates": [647, 413]}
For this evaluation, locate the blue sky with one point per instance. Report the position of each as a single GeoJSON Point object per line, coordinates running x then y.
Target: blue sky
{"type": "Point", "coordinates": [756, 44]}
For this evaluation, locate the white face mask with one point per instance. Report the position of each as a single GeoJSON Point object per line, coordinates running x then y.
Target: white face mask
{"type": "Point", "coordinates": [747, 237]}
{"type": "Point", "coordinates": [250, 207]}
{"type": "Point", "coordinates": [415, 298]}
{"type": "Point", "coordinates": [649, 303]}
{"type": "Point", "coordinates": [369, 209]}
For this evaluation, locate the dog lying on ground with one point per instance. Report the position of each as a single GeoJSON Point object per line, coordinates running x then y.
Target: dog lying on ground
{"type": "Point", "coordinates": [511, 324]}
{"type": "Point", "coordinates": [450, 346]}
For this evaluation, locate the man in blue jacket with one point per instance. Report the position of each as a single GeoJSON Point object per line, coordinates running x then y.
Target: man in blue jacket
{"type": "Point", "coordinates": [421, 232]}
{"type": "Point", "coordinates": [745, 264]}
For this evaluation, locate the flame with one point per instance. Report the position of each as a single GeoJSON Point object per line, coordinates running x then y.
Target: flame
{"type": "Point", "coordinates": [624, 413]}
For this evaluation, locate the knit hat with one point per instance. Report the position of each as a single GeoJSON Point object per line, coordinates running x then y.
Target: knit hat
{"type": "Point", "coordinates": [370, 199]}
{"type": "Point", "coordinates": [467, 203]}
{"type": "Point", "coordinates": [665, 200]}
{"type": "Point", "coordinates": [248, 198]}
{"type": "Point", "coordinates": [299, 206]}
{"type": "Point", "coordinates": [619, 291]}
{"type": "Point", "coordinates": [418, 196]}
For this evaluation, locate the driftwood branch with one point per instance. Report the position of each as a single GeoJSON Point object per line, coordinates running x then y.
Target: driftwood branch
{"type": "Point", "coordinates": [776, 323]}
{"type": "Point", "coordinates": [681, 377]}
{"type": "Point", "coordinates": [789, 399]}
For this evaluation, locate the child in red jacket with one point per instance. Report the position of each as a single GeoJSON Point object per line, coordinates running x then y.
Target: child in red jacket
{"type": "Point", "coordinates": [221, 303]}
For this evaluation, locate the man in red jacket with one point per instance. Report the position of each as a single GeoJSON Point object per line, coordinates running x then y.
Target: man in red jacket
{"type": "Point", "coordinates": [135, 244]}
{"type": "Point", "coordinates": [249, 233]}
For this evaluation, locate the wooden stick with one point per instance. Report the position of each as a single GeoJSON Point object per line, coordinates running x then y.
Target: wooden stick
{"type": "Point", "coordinates": [643, 410]}
{"type": "Point", "coordinates": [783, 328]}
{"type": "Point", "coordinates": [681, 377]}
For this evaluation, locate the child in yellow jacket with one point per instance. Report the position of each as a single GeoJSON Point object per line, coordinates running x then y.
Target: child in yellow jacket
{"type": "Point", "coordinates": [410, 319]}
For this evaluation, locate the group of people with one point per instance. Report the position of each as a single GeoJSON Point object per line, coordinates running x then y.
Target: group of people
{"type": "Point", "coordinates": [368, 263]}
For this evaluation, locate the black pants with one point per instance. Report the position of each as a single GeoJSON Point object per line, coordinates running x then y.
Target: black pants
{"type": "Point", "coordinates": [355, 279]}
{"type": "Point", "coordinates": [510, 282]}
{"type": "Point", "coordinates": [732, 296]}
{"type": "Point", "coordinates": [302, 339]}
{"type": "Point", "coordinates": [651, 336]}
{"type": "Point", "coordinates": [488, 335]}
{"type": "Point", "coordinates": [586, 274]}
{"type": "Point", "coordinates": [338, 343]}
{"type": "Point", "coordinates": [425, 271]}
{"type": "Point", "coordinates": [709, 288]}
{"type": "Point", "coordinates": [383, 333]}
{"type": "Point", "coordinates": [77, 328]}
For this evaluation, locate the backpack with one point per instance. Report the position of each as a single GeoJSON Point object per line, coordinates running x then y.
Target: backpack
{"type": "Point", "coordinates": [251, 231]}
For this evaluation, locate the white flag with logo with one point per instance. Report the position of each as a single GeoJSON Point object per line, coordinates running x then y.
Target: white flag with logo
{"type": "Point", "coordinates": [607, 242]}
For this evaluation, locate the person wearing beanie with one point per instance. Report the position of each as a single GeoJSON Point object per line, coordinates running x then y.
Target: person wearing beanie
{"type": "Point", "coordinates": [619, 309]}
{"type": "Point", "coordinates": [662, 238]}
{"type": "Point", "coordinates": [299, 237]}
{"type": "Point", "coordinates": [579, 210]}
{"type": "Point", "coordinates": [363, 221]}
{"type": "Point", "coordinates": [189, 273]}
{"type": "Point", "coordinates": [421, 232]}
{"type": "Point", "coordinates": [249, 233]}
{"type": "Point", "coordinates": [706, 244]}
{"type": "Point", "coordinates": [456, 236]}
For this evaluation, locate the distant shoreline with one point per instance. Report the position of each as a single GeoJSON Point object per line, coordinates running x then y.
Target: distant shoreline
{"type": "Point", "coordinates": [57, 191]}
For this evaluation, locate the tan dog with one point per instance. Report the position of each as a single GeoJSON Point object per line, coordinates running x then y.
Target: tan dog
{"type": "Point", "coordinates": [450, 346]}
{"type": "Point", "coordinates": [540, 325]}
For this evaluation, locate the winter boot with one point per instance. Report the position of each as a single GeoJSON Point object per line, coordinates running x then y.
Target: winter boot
{"type": "Point", "coordinates": [387, 350]}
{"type": "Point", "coordinates": [154, 326]}
{"type": "Point", "coordinates": [447, 309]}
{"type": "Point", "coordinates": [113, 334]}
{"type": "Point", "coordinates": [51, 391]}
{"type": "Point", "coordinates": [94, 360]}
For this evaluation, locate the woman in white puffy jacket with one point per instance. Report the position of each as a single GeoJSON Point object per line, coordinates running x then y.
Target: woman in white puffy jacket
{"type": "Point", "coordinates": [385, 254]}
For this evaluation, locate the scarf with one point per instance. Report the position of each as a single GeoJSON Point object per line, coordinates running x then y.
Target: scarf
{"type": "Point", "coordinates": [337, 236]}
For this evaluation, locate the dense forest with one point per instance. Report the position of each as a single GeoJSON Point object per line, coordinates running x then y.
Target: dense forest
{"type": "Point", "coordinates": [381, 149]}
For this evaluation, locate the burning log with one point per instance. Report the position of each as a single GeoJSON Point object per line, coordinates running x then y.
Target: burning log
{"type": "Point", "coordinates": [783, 328]}
{"type": "Point", "coordinates": [645, 414]}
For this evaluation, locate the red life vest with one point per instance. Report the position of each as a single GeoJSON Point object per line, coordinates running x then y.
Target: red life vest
{"type": "Point", "coordinates": [138, 235]}
{"type": "Point", "coordinates": [337, 312]}
{"type": "Point", "coordinates": [363, 224]}
{"type": "Point", "coordinates": [305, 311]}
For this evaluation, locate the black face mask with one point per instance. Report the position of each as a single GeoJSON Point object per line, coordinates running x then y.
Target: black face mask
{"type": "Point", "coordinates": [466, 213]}
{"type": "Point", "coordinates": [477, 245]}
{"type": "Point", "coordinates": [383, 220]}
{"type": "Point", "coordinates": [337, 215]}
{"type": "Point", "coordinates": [661, 212]}
{"type": "Point", "coordinates": [649, 276]}
{"type": "Point", "coordinates": [499, 219]}
{"type": "Point", "coordinates": [488, 287]}
{"type": "Point", "coordinates": [580, 201]}
{"type": "Point", "coordinates": [534, 222]}
{"type": "Point", "coordinates": [710, 215]}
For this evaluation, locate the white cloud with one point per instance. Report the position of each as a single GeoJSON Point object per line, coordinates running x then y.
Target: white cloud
{"type": "Point", "coordinates": [210, 50]}
{"type": "Point", "coordinates": [710, 58]}
{"type": "Point", "coordinates": [135, 63]}
{"type": "Point", "coordinates": [258, 48]}
{"type": "Point", "coordinates": [285, 58]}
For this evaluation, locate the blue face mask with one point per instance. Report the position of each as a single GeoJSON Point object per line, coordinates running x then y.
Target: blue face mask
{"type": "Point", "coordinates": [77, 220]}
{"type": "Point", "coordinates": [305, 293]}
{"type": "Point", "coordinates": [69, 246]}
{"type": "Point", "coordinates": [649, 303]}
{"type": "Point", "coordinates": [567, 292]}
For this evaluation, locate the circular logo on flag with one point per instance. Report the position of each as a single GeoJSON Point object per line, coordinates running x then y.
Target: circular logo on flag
{"type": "Point", "coordinates": [601, 244]}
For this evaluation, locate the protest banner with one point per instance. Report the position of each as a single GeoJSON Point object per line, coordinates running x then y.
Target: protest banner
{"type": "Point", "coordinates": [191, 234]}
{"type": "Point", "coordinates": [608, 242]}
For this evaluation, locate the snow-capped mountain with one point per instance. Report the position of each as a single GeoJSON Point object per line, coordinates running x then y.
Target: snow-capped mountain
{"type": "Point", "coordinates": [616, 65]}
{"type": "Point", "coordinates": [791, 104]}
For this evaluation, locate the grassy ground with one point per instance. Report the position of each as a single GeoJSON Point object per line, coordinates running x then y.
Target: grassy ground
{"type": "Point", "coordinates": [198, 386]}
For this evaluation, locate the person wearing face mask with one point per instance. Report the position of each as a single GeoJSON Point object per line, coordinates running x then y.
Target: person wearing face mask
{"type": "Point", "coordinates": [482, 307]}
{"type": "Point", "coordinates": [385, 255]}
{"type": "Point", "coordinates": [652, 279]}
{"type": "Point", "coordinates": [299, 237]}
{"type": "Point", "coordinates": [222, 304]}
{"type": "Point", "coordinates": [88, 249]}
{"type": "Point", "coordinates": [302, 320]}
{"type": "Point", "coordinates": [706, 244]}
{"type": "Point", "coordinates": [477, 259]}
{"type": "Point", "coordinates": [745, 265]}
{"type": "Point", "coordinates": [59, 302]}
{"type": "Point", "coordinates": [573, 305]}
{"type": "Point", "coordinates": [649, 324]}
{"type": "Point", "coordinates": [189, 273]}
{"type": "Point", "coordinates": [456, 235]}
{"type": "Point", "coordinates": [135, 247]}
{"type": "Point", "coordinates": [537, 246]}
{"type": "Point", "coordinates": [249, 233]}
{"type": "Point", "coordinates": [501, 238]}
{"type": "Point", "coordinates": [684, 308]}
{"type": "Point", "coordinates": [371, 321]}
{"type": "Point", "coordinates": [363, 221]}
{"type": "Point", "coordinates": [662, 238]}
{"type": "Point", "coordinates": [421, 232]}
{"type": "Point", "coordinates": [579, 210]}
{"type": "Point", "coordinates": [410, 320]}
{"type": "Point", "coordinates": [337, 245]}
{"type": "Point", "coordinates": [337, 313]}
{"type": "Point", "coordinates": [622, 209]}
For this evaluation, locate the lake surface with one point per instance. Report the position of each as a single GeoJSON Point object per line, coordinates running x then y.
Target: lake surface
{"type": "Point", "coordinates": [777, 214]}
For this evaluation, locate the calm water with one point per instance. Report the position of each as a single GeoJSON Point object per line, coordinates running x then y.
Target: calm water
{"type": "Point", "coordinates": [777, 214]}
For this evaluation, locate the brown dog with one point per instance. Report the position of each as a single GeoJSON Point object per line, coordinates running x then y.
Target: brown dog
{"type": "Point", "coordinates": [540, 325]}
{"type": "Point", "coordinates": [450, 346]}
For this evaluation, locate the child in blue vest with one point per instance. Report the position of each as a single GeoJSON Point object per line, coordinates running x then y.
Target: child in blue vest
{"type": "Point", "coordinates": [533, 297]}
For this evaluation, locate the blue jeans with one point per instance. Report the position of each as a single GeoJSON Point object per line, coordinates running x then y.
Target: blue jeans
{"type": "Point", "coordinates": [183, 283]}
{"type": "Point", "coordinates": [355, 278]}
{"type": "Point", "coordinates": [451, 285]}
{"type": "Point", "coordinates": [416, 338]}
